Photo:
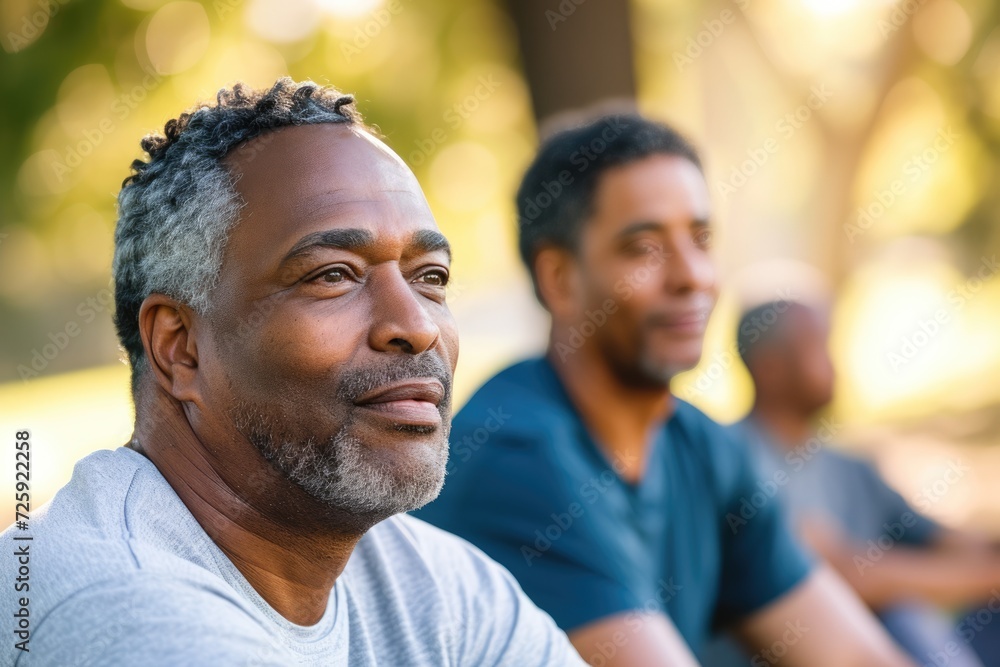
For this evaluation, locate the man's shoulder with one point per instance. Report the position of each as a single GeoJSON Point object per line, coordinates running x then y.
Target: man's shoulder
{"type": "Point", "coordinates": [94, 495]}
{"type": "Point", "coordinates": [716, 442]}
{"type": "Point", "coordinates": [108, 512]}
{"type": "Point", "coordinates": [694, 417]}
{"type": "Point", "coordinates": [457, 589]}
{"type": "Point", "coordinates": [94, 534]}
{"type": "Point", "coordinates": [83, 575]}
{"type": "Point", "coordinates": [78, 536]}
{"type": "Point", "coordinates": [120, 619]}
{"type": "Point", "coordinates": [524, 398]}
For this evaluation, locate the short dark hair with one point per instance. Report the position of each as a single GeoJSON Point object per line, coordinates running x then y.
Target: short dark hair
{"type": "Point", "coordinates": [762, 325]}
{"type": "Point", "coordinates": [557, 191]}
{"type": "Point", "coordinates": [176, 209]}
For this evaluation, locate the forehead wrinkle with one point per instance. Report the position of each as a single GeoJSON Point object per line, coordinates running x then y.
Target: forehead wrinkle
{"type": "Point", "coordinates": [323, 205]}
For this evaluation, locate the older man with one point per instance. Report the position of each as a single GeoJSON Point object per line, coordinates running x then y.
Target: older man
{"type": "Point", "coordinates": [280, 288]}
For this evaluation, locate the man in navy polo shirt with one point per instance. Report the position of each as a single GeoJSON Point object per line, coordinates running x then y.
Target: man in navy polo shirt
{"type": "Point", "coordinates": [601, 492]}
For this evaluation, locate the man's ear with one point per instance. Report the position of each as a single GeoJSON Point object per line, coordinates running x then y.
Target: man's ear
{"type": "Point", "coordinates": [168, 337]}
{"type": "Point", "coordinates": [558, 276]}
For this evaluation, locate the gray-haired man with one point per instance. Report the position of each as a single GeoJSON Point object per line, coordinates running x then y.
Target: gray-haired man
{"type": "Point", "coordinates": [280, 292]}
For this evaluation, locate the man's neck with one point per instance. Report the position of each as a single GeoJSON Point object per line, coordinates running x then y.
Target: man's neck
{"type": "Point", "coordinates": [789, 427]}
{"type": "Point", "coordinates": [272, 531]}
{"type": "Point", "coordinates": [620, 418]}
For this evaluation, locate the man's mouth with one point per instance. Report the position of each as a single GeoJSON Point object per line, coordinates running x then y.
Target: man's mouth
{"type": "Point", "coordinates": [690, 322]}
{"type": "Point", "coordinates": [414, 401]}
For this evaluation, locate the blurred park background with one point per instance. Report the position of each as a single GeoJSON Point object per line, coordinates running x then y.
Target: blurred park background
{"type": "Point", "coordinates": [852, 148]}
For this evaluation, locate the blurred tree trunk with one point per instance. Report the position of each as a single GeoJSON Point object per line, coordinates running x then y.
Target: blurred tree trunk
{"type": "Point", "coordinates": [576, 53]}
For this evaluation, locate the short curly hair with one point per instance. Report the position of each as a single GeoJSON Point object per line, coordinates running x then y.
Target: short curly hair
{"type": "Point", "coordinates": [175, 210]}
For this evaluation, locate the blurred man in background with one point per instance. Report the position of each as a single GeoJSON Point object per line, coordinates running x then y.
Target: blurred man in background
{"type": "Point", "coordinates": [902, 564]}
{"type": "Point", "coordinates": [604, 494]}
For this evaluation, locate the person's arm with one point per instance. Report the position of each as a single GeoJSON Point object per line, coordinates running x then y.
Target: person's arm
{"type": "Point", "coordinates": [955, 573]}
{"type": "Point", "coordinates": [632, 639]}
{"type": "Point", "coordinates": [819, 623]}
{"type": "Point", "coordinates": [967, 541]}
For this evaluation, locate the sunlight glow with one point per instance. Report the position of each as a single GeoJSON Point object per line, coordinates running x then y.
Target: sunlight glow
{"type": "Point", "coordinates": [349, 9]}
{"type": "Point", "coordinates": [831, 7]}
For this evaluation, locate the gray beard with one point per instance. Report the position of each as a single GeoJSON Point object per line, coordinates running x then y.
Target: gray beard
{"type": "Point", "coordinates": [346, 474]}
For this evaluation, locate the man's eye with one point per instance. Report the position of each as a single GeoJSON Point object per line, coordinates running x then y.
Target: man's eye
{"type": "Point", "coordinates": [436, 278]}
{"type": "Point", "coordinates": [703, 237]}
{"type": "Point", "coordinates": [334, 275]}
{"type": "Point", "coordinates": [643, 248]}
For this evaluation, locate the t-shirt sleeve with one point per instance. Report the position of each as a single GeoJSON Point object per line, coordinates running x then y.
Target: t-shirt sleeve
{"type": "Point", "coordinates": [497, 623]}
{"type": "Point", "coordinates": [145, 619]}
{"type": "Point", "coordinates": [508, 499]}
{"type": "Point", "coordinates": [917, 529]}
{"type": "Point", "coordinates": [761, 559]}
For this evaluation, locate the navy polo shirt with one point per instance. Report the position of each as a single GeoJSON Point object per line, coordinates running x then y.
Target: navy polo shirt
{"type": "Point", "coordinates": [527, 484]}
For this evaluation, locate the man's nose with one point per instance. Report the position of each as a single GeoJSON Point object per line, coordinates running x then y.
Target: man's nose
{"type": "Point", "coordinates": [689, 269]}
{"type": "Point", "coordinates": [400, 322]}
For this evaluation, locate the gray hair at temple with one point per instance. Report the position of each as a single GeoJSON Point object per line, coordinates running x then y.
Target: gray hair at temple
{"type": "Point", "coordinates": [176, 210]}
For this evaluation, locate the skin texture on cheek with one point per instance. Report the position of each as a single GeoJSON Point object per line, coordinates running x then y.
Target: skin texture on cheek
{"type": "Point", "coordinates": [304, 423]}
{"type": "Point", "coordinates": [620, 315]}
{"type": "Point", "coordinates": [260, 357]}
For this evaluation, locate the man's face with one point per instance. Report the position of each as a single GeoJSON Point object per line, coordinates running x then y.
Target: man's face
{"type": "Point", "coordinates": [644, 260]}
{"type": "Point", "coordinates": [811, 373]}
{"type": "Point", "coordinates": [332, 348]}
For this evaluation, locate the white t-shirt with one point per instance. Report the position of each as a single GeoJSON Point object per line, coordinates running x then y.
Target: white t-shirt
{"type": "Point", "coordinates": [121, 573]}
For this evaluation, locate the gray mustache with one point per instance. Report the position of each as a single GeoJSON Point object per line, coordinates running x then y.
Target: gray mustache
{"type": "Point", "coordinates": [356, 382]}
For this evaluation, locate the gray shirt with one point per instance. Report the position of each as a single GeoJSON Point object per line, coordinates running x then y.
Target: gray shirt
{"type": "Point", "coordinates": [121, 573]}
{"type": "Point", "coordinates": [814, 480]}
